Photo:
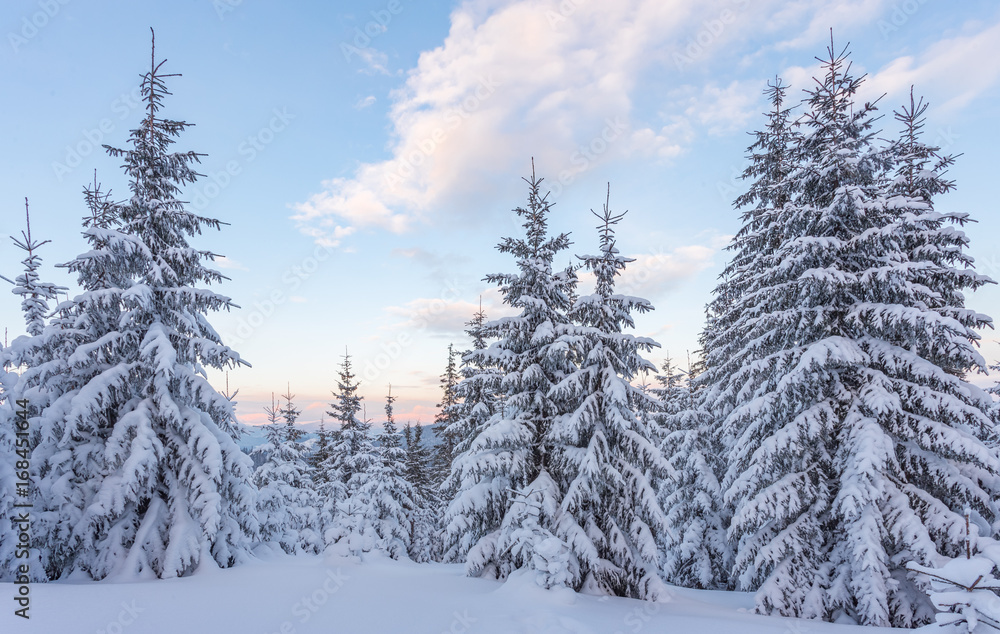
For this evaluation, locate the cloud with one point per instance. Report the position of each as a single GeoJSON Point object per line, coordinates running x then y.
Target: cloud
{"type": "Point", "coordinates": [722, 110]}
{"type": "Point", "coordinates": [824, 16]}
{"type": "Point", "coordinates": [653, 275]}
{"type": "Point", "coordinates": [364, 103]}
{"type": "Point", "coordinates": [228, 263]}
{"type": "Point", "coordinates": [445, 317]}
{"type": "Point", "coordinates": [558, 80]}
{"type": "Point", "coordinates": [509, 82]}
{"type": "Point", "coordinates": [956, 69]}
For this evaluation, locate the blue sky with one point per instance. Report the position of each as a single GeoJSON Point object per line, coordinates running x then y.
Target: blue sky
{"type": "Point", "coordinates": [367, 154]}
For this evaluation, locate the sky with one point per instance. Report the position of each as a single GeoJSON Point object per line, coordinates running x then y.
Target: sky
{"type": "Point", "coordinates": [366, 155]}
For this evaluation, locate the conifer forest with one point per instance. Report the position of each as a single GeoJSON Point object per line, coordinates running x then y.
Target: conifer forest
{"type": "Point", "coordinates": [824, 457]}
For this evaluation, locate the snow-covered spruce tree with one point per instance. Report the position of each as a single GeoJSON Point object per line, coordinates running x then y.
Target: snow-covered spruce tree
{"type": "Point", "coordinates": [49, 370]}
{"type": "Point", "coordinates": [857, 441]}
{"type": "Point", "coordinates": [35, 294]}
{"type": "Point", "coordinates": [604, 455]}
{"type": "Point", "coordinates": [376, 514]}
{"type": "Point", "coordinates": [424, 539]}
{"type": "Point", "coordinates": [349, 449]}
{"type": "Point", "coordinates": [476, 393]}
{"type": "Point", "coordinates": [286, 501]}
{"type": "Point", "coordinates": [444, 453]}
{"type": "Point", "coordinates": [321, 452]}
{"type": "Point", "coordinates": [142, 474]}
{"type": "Point", "coordinates": [476, 402]}
{"type": "Point", "coordinates": [735, 337]}
{"type": "Point", "coordinates": [8, 478]}
{"type": "Point", "coordinates": [741, 299]}
{"type": "Point", "coordinates": [290, 414]}
{"type": "Point", "coordinates": [695, 545]}
{"type": "Point", "coordinates": [508, 460]}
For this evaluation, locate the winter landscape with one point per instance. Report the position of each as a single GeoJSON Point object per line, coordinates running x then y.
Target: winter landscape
{"type": "Point", "coordinates": [500, 316]}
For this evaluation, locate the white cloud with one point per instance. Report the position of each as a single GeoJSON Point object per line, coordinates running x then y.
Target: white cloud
{"type": "Point", "coordinates": [952, 72]}
{"type": "Point", "coordinates": [556, 80]}
{"type": "Point", "coordinates": [364, 103]}
{"type": "Point", "coordinates": [654, 275]}
{"type": "Point", "coordinates": [509, 82]}
{"type": "Point", "coordinates": [228, 263]}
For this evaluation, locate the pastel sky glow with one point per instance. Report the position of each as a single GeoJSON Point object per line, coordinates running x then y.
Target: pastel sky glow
{"type": "Point", "coordinates": [367, 154]}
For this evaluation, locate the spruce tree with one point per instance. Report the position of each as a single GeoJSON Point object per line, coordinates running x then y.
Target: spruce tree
{"type": "Point", "coordinates": [286, 502]}
{"type": "Point", "coordinates": [424, 539]}
{"type": "Point", "coordinates": [604, 455]}
{"type": "Point", "coordinates": [140, 470]}
{"type": "Point", "coordinates": [507, 462]}
{"type": "Point", "coordinates": [290, 414]}
{"type": "Point", "coordinates": [695, 546]}
{"type": "Point", "coordinates": [445, 451]}
{"type": "Point", "coordinates": [856, 441]}
{"type": "Point", "coordinates": [376, 514]}
{"type": "Point", "coordinates": [349, 449]}
{"type": "Point", "coordinates": [8, 477]}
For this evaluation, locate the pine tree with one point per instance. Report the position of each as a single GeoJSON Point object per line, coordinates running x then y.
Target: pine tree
{"type": "Point", "coordinates": [290, 414]}
{"type": "Point", "coordinates": [140, 469]}
{"type": "Point", "coordinates": [856, 441]}
{"type": "Point", "coordinates": [376, 514]}
{"type": "Point", "coordinates": [286, 501]}
{"type": "Point", "coordinates": [604, 455]}
{"type": "Point", "coordinates": [321, 453]}
{"type": "Point", "coordinates": [445, 451]}
{"type": "Point", "coordinates": [35, 294]}
{"type": "Point", "coordinates": [424, 541]}
{"type": "Point", "coordinates": [8, 479]}
{"type": "Point", "coordinates": [695, 546]}
{"type": "Point", "coordinates": [350, 449]}
{"type": "Point", "coordinates": [511, 452]}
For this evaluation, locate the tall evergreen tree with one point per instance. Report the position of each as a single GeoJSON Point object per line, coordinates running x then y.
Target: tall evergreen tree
{"type": "Point", "coordinates": [290, 414]}
{"type": "Point", "coordinates": [349, 450]}
{"type": "Point", "coordinates": [287, 502]}
{"type": "Point", "coordinates": [321, 452]}
{"type": "Point", "coordinates": [35, 294]}
{"type": "Point", "coordinates": [604, 455]}
{"type": "Point", "coordinates": [857, 442]}
{"type": "Point", "coordinates": [512, 450]}
{"type": "Point", "coordinates": [376, 514]}
{"type": "Point", "coordinates": [8, 478]}
{"type": "Point", "coordinates": [140, 470]}
{"type": "Point", "coordinates": [695, 546]}
{"type": "Point", "coordinates": [444, 453]}
{"type": "Point", "coordinates": [424, 540]}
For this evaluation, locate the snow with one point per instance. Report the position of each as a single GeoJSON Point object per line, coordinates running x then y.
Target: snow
{"type": "Point", "coordinates": [306, 593]}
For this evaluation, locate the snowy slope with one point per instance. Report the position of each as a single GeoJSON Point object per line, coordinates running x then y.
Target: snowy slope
{"type": "Point", "coordinates": [295, 595]}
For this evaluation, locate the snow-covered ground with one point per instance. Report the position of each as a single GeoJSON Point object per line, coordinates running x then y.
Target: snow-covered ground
{"type": "Point", "coordinates": [295, 595]}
